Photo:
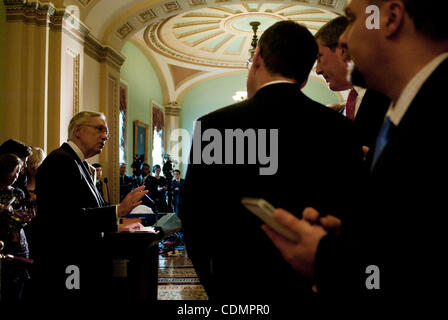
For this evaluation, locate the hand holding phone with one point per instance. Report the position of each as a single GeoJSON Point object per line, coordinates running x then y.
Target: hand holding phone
{"type": "Point", "coordinates": [265, 211]}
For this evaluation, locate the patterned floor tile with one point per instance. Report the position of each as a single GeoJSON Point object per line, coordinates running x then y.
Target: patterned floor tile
{"type": "Point", "coordinates": [177, 278]}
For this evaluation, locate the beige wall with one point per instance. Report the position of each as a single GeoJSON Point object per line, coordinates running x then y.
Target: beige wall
{"type": "Point", "coordinates": [72, 59]}
{"type": "Point", "coordinates": [91, 85]}
{"type": "Point", "coordinates": [26, 86]}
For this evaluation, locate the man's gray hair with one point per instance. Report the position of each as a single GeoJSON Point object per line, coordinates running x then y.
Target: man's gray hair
{"type": "Point", "coordinates": [82, 118]}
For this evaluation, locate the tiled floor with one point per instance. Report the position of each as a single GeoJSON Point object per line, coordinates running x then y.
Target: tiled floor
{"type": "Point", "coordinates": [177, 277]}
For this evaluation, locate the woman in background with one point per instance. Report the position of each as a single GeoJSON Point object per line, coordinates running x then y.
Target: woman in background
{"type": "Point", "coordinates": [14, 215]}
{"type": "Point", "coordinates": [33, 163]}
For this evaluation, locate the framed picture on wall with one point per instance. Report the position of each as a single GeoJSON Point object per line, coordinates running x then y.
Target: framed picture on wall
{"type": "Point", "coordinates": [141, 139]}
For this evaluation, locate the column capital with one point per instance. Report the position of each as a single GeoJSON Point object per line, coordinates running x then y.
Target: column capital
{"type": "Point", "coordinates": [172, 109]}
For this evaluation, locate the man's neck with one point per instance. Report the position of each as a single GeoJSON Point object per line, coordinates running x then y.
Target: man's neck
{"type": "Point", "coordinates": [402, 68]}
{"type": "Point", "coordinates": [273, 80]}
{"type": "Point", "coordinates": [76, 147]}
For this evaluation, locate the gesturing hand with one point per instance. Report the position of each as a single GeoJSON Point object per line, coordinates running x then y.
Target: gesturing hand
{"type": "Point", "coordinates": [132, 200]}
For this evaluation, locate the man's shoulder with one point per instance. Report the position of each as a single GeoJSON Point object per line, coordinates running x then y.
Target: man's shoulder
{"type": "Point", "coordinates": [63, 151]}
{"type": "Point", "coordinates": [59, 156]}
{"type": "Point", "coordinates": [229, 111]}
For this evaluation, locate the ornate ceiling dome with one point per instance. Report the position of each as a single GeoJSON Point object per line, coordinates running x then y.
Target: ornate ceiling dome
{"type": "Point", "coordinates": [220, 35]}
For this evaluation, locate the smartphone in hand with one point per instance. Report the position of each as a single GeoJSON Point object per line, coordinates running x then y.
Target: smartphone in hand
{"type": "Point", "coordinates": [265, 211]}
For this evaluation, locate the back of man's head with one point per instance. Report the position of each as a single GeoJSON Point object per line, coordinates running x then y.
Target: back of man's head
{"type": "Point", "coordinates": [288, 49]}
{"type": "Point", "coordinates": [429, 16]}
{"type": "Point", "coordinates": [15, 147]}
{"type": "Point", "coordinates": [329, 34]}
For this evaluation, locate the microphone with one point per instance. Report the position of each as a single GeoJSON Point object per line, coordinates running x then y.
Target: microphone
{"type": "Point", "coordinates": [107, 188]}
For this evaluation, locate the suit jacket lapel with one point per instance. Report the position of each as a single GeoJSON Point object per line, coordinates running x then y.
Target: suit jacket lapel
{"type": "Point", "coordinates": [84, 173]}
{"type": "Point", "coordinates": [416, 112]}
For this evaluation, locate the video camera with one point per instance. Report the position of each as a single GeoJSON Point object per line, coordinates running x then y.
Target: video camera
{"type": "Point", "coordinates": [137, 165]}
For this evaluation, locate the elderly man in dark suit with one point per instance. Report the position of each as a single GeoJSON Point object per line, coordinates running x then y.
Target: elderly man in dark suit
{"type": "Point", "coordinates": [396, 248]}
{"type": "Point", "coordinates": [290, 133]}
{"type": "Point", "coordinates": [72, 217]}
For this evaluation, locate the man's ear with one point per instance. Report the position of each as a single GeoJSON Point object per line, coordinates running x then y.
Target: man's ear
{"type": "Point", "coordinates": [257, 58]}
{"type": "Point", "coordinates": [76, 131]}
{"type": "Point", "coordinates": [392, 17]}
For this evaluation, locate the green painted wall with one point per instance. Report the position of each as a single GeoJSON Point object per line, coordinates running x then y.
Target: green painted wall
{"type": "Point", "coordinates": [143, 86]}
{"type": "Point", "coordinates": [2, 63]}
{"type": "Point", "coordinates": [209, 96]}
{"type": "Point", "coordinates": [319, 91]}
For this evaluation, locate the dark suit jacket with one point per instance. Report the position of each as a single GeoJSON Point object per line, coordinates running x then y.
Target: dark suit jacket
{"type": "Point", "coordinates": [233, 257]}
{"type": "Point", "coordinates": [370, 117]}
{"type": "Point", "coordinates": [68, 225]}
{"type": "Point", "coordinates": [403, 222]}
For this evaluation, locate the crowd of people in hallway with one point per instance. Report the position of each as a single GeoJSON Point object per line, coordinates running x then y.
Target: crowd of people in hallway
{"type": "Point", "coordinates": [164, 191]}
{"type": "Point", "coordinates": [364, 202]}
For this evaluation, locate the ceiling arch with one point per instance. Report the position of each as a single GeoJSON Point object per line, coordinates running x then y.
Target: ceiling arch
{"type": "Point", "coordinates": [193, 40]}
{"type": "Point", "coordinates": [221, 35]}
{"type": "Point", "coordinates": [115, 21]}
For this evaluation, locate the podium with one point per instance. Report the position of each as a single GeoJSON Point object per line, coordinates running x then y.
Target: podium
{"type": "Point", "coordinates": [134, 263]}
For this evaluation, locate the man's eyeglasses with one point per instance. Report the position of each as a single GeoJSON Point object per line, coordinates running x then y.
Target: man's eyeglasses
{"type": "Point", "coordinates": [100, 129]}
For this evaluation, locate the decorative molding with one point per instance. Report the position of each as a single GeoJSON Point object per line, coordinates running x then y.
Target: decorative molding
{"type": "Point", "coordinates": [173, 109]}
{"type": "Point", "coordinates": [205, 15]}
{"type": "Point", "coordinates": [113, 155]}
{"type": "Point", "coordinates": [84, 3]}
{"type": "Point", "coordinates": [146, 15]}
{"type": "Point", "coordinates": [42, 14]}
{"type": "Point", "coordinates": [101, 53]}
{"type": "Point", "coordinates": [193, 3]}
{"type": "Point", "coordinates": [76, 78]}
{"type": "Point", "coordinates": [328, 3]}
{"type": "Point", "coordinates": [74, 28]}
{"type": "Point", "coordinates": [171, 6]}
{"type": "Point", "coordinates": [195, 31]}
{"type": "Point", "coordinates": [124, 30]}
{"type": "Point", "coordinates": [152, 41]}
{"type": "Point", "coordinates": [195, 23]}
